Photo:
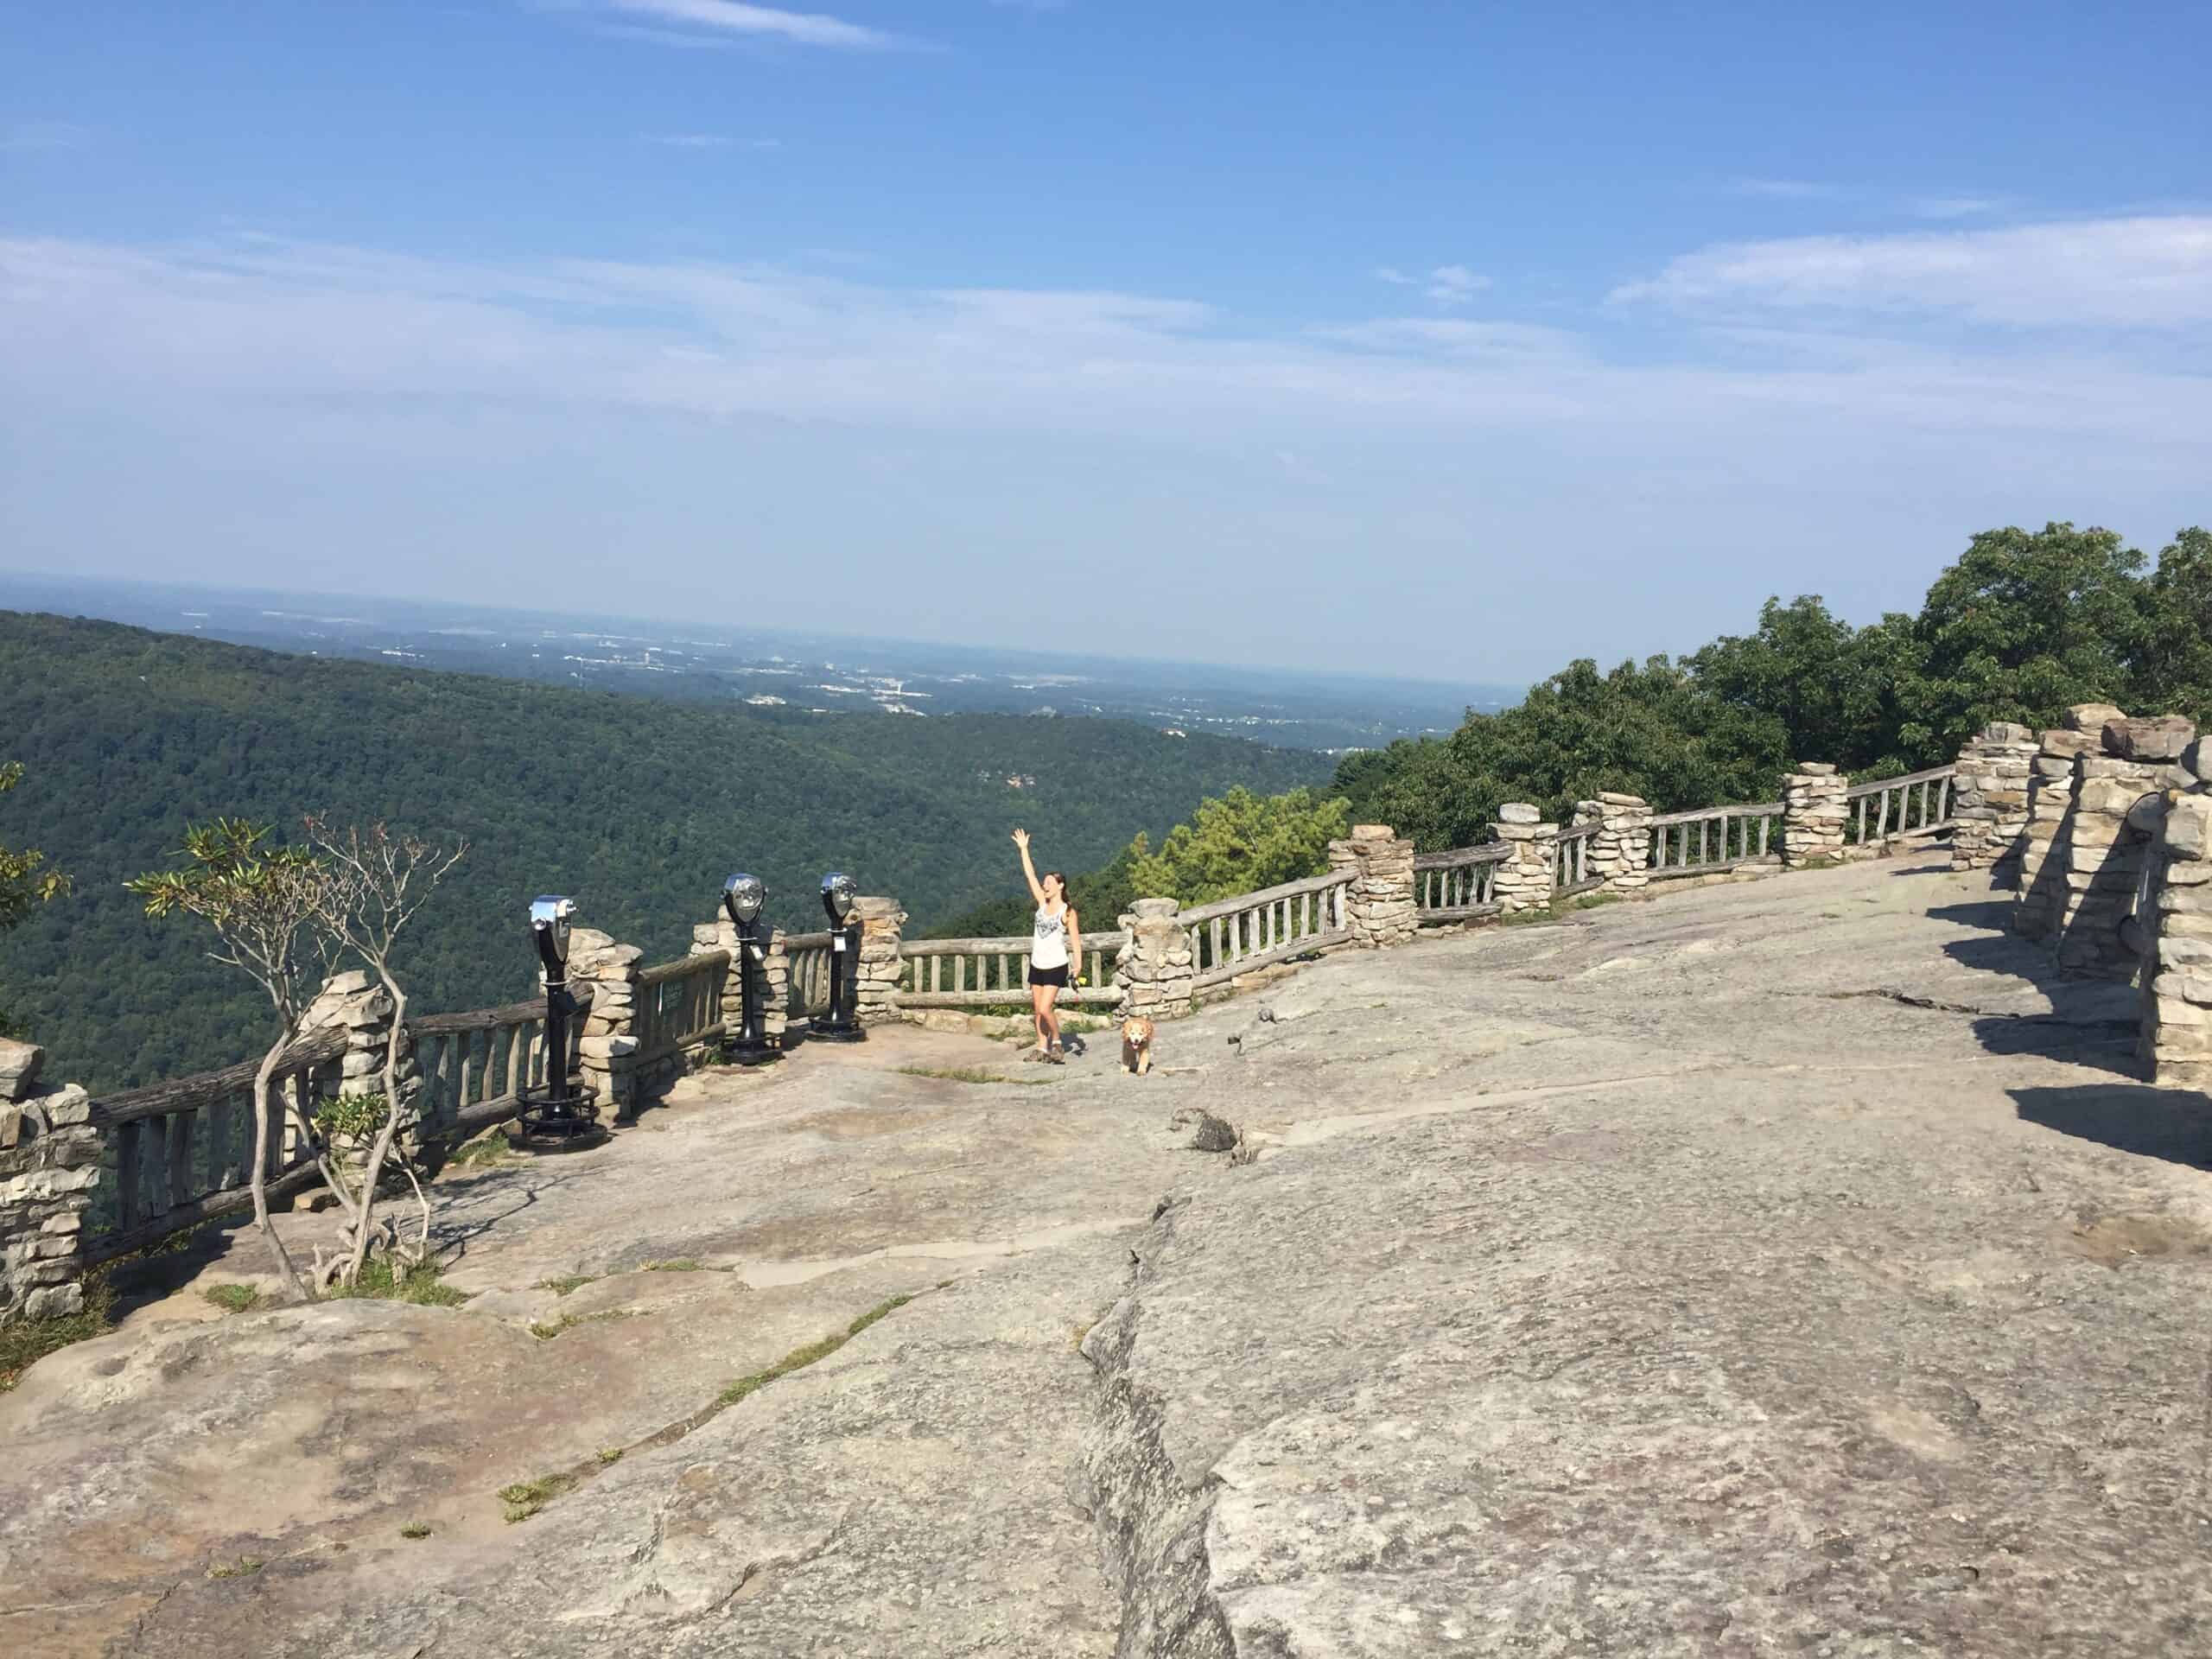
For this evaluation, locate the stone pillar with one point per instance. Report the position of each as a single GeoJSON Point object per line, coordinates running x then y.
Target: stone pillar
{"type": "Point", "coordinates": [607, 1054]}
{"type": "Point", "coordinates": [1156, 972]}
{"type": "Point", "coordinates": [49, 1163]}
{"type": "Point", "coordinates": [1814, 807]}
{"type": "Point", "coordinates": [1524, 876]}
{"type": "Point", "coordinates": [357, 1003]}
{"type": "Point", "coordinates": [2039, 899]}
{"type": "Point", "coordinates": [1382, 899]}
{"type": "Point", "coordinates": [1989, 797]}
{"type": "Point", "coordinates": [1621, 850]}
{"type": "Point", "coordinates": [2175, 1038]}
{"type": "Point", "coordinates": [875, 989]}
{"type": "Point", "coordinates": [2103, 851]}
{"type": "Point", "coordinates": [721, 934]}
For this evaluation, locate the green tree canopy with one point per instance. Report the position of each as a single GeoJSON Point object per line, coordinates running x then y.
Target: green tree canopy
{"type": "Point", "coordinates": [2024, 624]}
{"type": "Point", "coordinates": [1240, 844]}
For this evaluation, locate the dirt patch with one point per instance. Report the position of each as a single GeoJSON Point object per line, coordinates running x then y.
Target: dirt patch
{"type": "Point", "coordinates": [2114, 1240]}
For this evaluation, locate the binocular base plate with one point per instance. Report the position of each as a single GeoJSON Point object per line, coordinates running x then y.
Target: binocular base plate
{"type": "Point", "coordinates": [763, 1055]}
{"type": "Point", "coordinates": [822, 1029]}
{"type": "Point", "coordinates": [545, 1119]}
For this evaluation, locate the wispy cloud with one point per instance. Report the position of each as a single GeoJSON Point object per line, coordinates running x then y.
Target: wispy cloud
{"type": "Point", "coordinates": [1446, 284]}
{"type": "Point", "coordinates": [1788, 190]}
{"type": "Point", "coordinates": [1954, 206]}
{"type": "Point", "coordinates": [42, 135]}
{"type": "Point", "coordinates": [2154, 272]}
{"type": "Point", "coordinates": [732, 17]}
{"type": "Point", "coordinates": [253, 319]}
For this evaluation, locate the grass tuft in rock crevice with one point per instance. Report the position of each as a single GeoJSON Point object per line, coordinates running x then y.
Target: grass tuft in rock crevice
{"type": "Point", "coordinates": [526, 1498]}
{"type": "Point", "coordinates": [24, 1341]}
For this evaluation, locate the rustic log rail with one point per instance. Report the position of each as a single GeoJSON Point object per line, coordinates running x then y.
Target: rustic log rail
{"type": "Point", "coordinates": [1235, 936]}
{"type": "Point", "coordinates": [680, 1005]}
{"type": "Point", "coordinates": [1458, 886]}
{"type": "Point", "coordinates": [985, 972]}
{"type": "Point", "coordinates": [475, 1063]}
{"type": "Point", "coordinates": [808, 958]}
{"type": "Point", "coordinates": [1913, 806]}
{"type": "Point", "coordinates": [184, 1150]}
{"type": "Point", "coordinates": [1571, 862]}
{"type": "Point", "coordinates": [1712, 839]}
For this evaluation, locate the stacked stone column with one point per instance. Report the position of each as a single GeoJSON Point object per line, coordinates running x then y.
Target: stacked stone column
{"type": "Point", "coordinates": [1815, 804]}
{"type": "Point", "coordinates": [1620, 852]}
{"type": "Point", "coordinates": [2089, 853]}
{"type": "Point", "coordinates": [355, 1002]}
{"type": "Point", "coordinates": [1157, 973]}
{"type": "Point", "coordinates": [606, 1054]}
{"type": "Point", "coordinates": [1382, 905]}
{"type": "Point", "coordinates": [774, 968]}
{"type": "Point", "coordinates": [50, 1157]}
{"type": "Point", "coordinates": [2175, 1042]}
{"type": "Point", "coordinates": [1989, 797]}
{"type": "Point", "coordinates": [875, 987]}
{"type": "Point", "coordinates": [2039, 902]}
{"type": "Point", "coordinates": [1523, 878]}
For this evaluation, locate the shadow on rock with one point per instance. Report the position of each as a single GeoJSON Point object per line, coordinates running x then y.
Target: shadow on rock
{"type": "Point", "coordinates": [2091, 1021]}
{"type": "Point", "coordinates": [2174, 1124]}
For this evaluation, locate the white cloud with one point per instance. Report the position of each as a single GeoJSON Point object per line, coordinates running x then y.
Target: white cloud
{"type": "Point", "coordinates": [1954, 206]}
{"type": "Point", "coordinates": [259, 320]}
{"type": "Point", "coordinates": [1446, 284]}
{"type": "Point", "coordinates": [1454, 284]}
{"type": "Point", "coordinates": [1788, 189]}
{"type": "Point", "coordinates": [2142, 272]}
{"type": "Point", "coordinates": [733, 18]}
{"type": "Point", "coordinates": [42, 135]}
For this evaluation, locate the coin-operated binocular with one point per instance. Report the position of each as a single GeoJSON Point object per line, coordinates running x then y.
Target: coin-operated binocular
{"type": "Point", "coordinates": [840, 1024]}
{"type": "Point", "coordinates": [555, 1109]}
{"type": "Point", "coordinates": [743, 896]}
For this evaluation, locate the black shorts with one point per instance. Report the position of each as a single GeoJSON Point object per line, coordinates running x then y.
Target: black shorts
{"type": "Point", "coordinates": [1048, 976]}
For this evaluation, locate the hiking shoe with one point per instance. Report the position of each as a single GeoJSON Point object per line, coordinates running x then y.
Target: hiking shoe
{"type": "Point", "coordinates": [1056, 1056]}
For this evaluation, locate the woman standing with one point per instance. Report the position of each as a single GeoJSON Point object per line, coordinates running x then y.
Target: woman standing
{"type": "Point", "coordinates": [1055, 953]}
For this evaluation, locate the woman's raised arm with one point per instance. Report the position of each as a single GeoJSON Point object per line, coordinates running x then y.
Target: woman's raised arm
{"type": "Point", "coordinates": [1036, 887]}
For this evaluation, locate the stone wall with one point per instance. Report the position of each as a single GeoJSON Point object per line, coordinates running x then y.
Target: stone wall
{"type": "Point", "coordinates": [354, 1002]}
{"type": "Point", "coordinates": [50, 1160]}
{"type": "Point", "coordinates": [1620, 852]}
{"type": "Point", "coordinates": [1524, 881]}
{"type": "Point", "coordinates": [1814, 807]}
{"type": "Point", "coordinates": [1382, 899]}
{"type": "Point", "coordinates": [1989, 797]}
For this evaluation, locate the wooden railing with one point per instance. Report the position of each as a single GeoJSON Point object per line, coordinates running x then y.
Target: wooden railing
{"type": "Point", "coordinates": [184, 1150]}
{"type": "Point", "coordinates": [1712, 839]}
{"type": "Point", "coordinates": [679, 1005]}
{"type": "Point", "coordinates": [1458, 886]}
{"type": "Point", "coordinates": [807, 957]}
{"type": "Point", "coordinates": [982, 973]}
{"type": "Point", "coordinates": [1571, 867]}
{"type": "Point", "coordinates": [1915, 805]}
{"type": "Point", "coordinates": [1235, 936]}
{"type": "Point", "coordinates": [473, 1064]}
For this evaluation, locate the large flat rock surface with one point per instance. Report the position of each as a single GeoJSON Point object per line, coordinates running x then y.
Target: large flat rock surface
{"type": "Point", "coordinates": [1789, 1266]}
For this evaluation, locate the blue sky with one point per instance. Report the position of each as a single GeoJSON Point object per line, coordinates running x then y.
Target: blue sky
{"type": "Point", "coordinates": [1438, 338]}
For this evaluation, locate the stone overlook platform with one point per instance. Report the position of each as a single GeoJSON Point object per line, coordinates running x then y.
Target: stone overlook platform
{"type": "Point", "coordinates": [1784, 1267]}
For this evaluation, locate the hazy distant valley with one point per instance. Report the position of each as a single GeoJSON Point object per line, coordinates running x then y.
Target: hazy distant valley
{"type": "Point", "coordinates": [802, 671]}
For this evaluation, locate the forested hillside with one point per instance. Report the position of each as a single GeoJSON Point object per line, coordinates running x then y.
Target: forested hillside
{"type": "Point", "coordinates": [639, 808]}
{"type": "Point", "coordinates": [2024, 624]}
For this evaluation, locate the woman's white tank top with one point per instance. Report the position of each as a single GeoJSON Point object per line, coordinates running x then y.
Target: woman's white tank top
{"type": "Point", "coordinates": [1048, 946]}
